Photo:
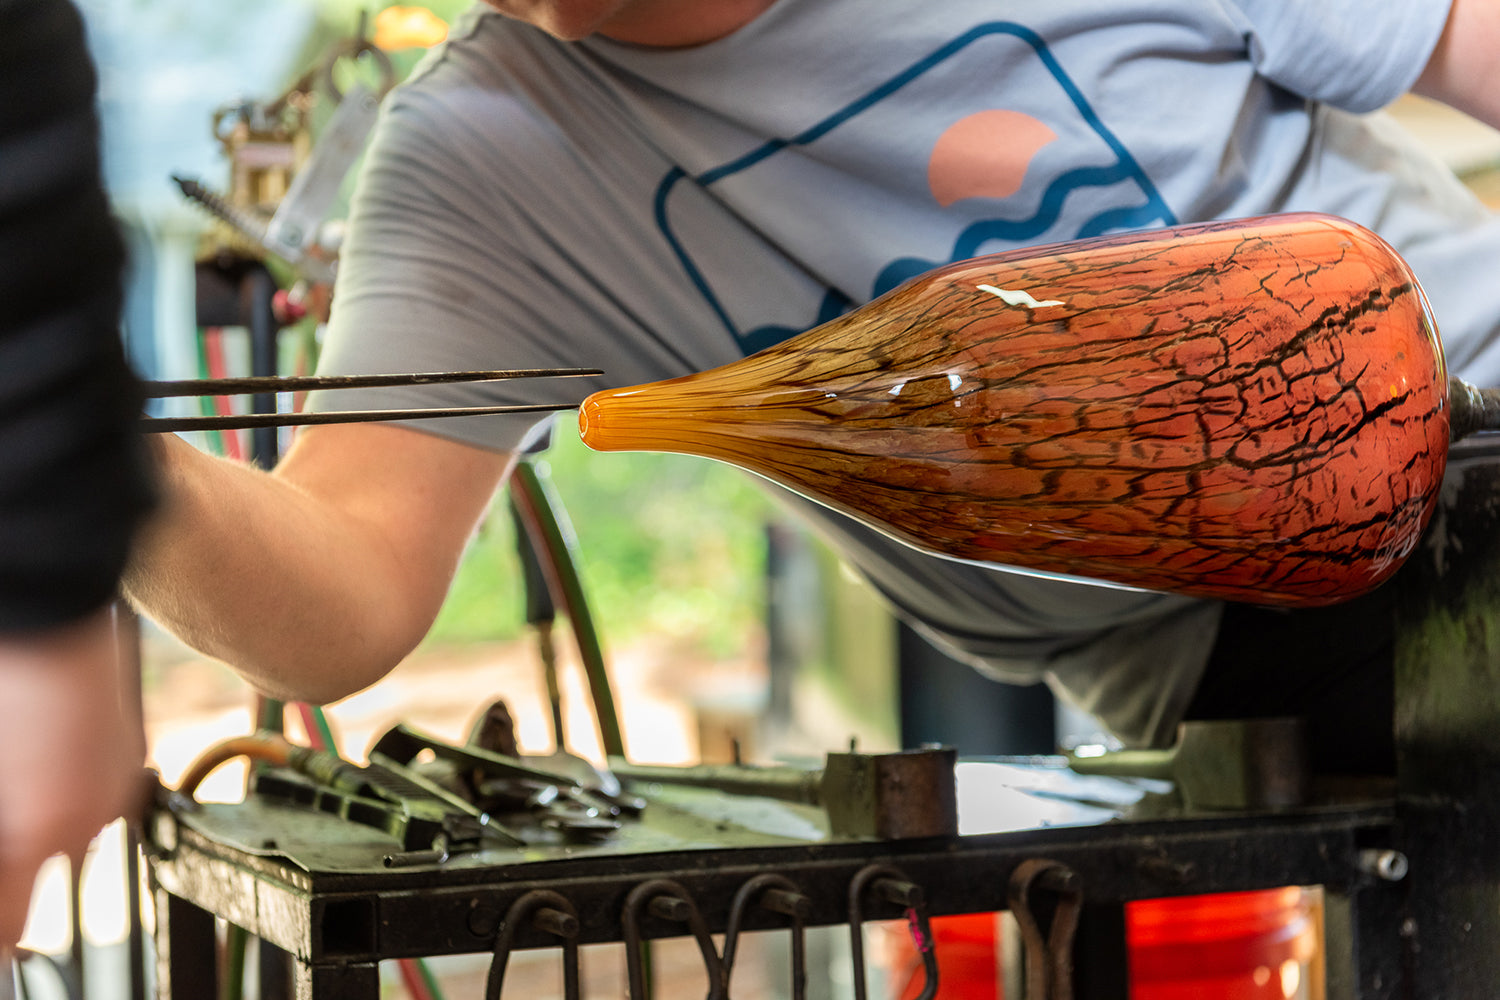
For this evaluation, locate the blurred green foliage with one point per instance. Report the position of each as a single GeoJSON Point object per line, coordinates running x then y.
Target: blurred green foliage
{"type": "Point", "coordinates": [668, 546]}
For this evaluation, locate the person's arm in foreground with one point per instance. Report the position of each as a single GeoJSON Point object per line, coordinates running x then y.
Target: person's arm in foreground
{"type": "Point", "coordinates": [71, 477]}
{"type": "Point", "coordinates": [317, 579]}
{"type": "Point", "coordinates": [70, 761]}
{"type": "Point", "coordinates": [1461, 72]}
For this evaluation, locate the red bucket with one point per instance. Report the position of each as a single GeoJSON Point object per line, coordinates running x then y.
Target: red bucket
{"type": "Point", "coordinates": [1228, 946]}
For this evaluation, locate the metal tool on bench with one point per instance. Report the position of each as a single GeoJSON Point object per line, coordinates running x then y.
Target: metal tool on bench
{"type": "Point", "coordinates": [555, 801]}
{"type": "Point", "coordinates": [1230, 764]}
{"type": "Point", "coordinates": [427, 821]}
{"type": "Point", "coordinates": [460, 822]}
{"type": "Point", "coordinates": [892, 796]}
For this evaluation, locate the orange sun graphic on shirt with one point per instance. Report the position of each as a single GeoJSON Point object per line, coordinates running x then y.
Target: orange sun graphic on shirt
{"type": "Point", "coordinates": [985, 155]}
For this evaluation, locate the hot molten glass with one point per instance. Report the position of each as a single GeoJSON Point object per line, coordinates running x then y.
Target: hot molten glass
{"type": "Point", "coordinates": [1254, 410]}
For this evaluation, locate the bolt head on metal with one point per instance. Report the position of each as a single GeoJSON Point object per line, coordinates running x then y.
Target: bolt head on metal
{"type": "Point", "coordinates": [1383, 863]}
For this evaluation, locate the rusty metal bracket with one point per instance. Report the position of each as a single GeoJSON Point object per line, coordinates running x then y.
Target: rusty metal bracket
{"type": "Point", "coordinates": [547, 911]}
{"type": "Point", "coordinates": [891, 885]}
{"type": "Point", "coordinates": [1049, 958]}
{"type": "Point", "coordinates": [670, 901]}
{"type": "Point", "coordinates": [778, 894]}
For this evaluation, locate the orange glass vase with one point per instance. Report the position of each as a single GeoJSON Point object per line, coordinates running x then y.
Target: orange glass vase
{"type": "Point", "coordinates": [1253, 410]}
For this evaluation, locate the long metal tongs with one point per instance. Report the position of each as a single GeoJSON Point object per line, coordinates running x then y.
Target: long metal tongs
{"type": "Point", "coordinates": [264, 385]}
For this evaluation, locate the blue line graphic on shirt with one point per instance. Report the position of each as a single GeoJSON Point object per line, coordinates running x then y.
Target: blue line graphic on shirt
{"type": "Point", "coordinates": [1079, 180]}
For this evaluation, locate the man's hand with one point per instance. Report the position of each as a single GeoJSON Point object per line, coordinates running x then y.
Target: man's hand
{"type": "Point", "coordinates": [69, 761]}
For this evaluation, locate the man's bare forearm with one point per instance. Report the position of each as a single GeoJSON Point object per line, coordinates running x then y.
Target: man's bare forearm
{"type": "Point", "coordinates": [316, 580]}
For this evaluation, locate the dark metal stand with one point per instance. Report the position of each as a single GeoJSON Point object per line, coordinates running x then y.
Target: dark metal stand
{"type": "Point", "coordinates": [1447, 710]}
{"type": "Point", "coordinates": [240, 291]}
{"type": "Point", "coordinates": [339, 917]}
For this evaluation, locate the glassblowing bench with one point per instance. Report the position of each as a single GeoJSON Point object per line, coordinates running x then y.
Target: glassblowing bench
{"type": "Point", "coordinates": [319, 887]}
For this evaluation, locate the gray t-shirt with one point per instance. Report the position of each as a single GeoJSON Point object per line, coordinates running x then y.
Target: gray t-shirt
{"type": "Point", "coordinates": [655, 212]}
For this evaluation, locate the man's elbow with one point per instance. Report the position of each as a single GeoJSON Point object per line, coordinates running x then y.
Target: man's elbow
{"type": "Point", "coordinates": [320, 677]}
{"type": "Point", "coordinates": [314, 663]}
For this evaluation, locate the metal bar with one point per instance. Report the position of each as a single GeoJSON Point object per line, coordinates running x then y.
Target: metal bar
{"type": "Point", "coordinates": [547, 520]}
{"type": "Point", "coordinates": [421, 914]}
{"type": "Point", "coordinates": [1448, 765]}
{"type": "Point", "coordinates": [1049, 953]}
{"type": "Point", "coordinates": [339, 981]}
{"type": "Point", "coordinates": [778, 894]}
{"type": "Point", "coordinates": [253, 384]}
{"type": "Point", "coordinates": [891, 885]}
{"type": "Point", "coordinates": [681, 909]}
{"type": "Point", "coordinates": [127, 633]}
{"type": "Point", "coordinates": [402, 743]}
{"type": "Point", "coordinates": [1363, 949]}
{"type": "Point", "coordinates": [547, 911]}
{"type": "Point", "coordinates": [162, 425]}
{"type": "Point", "coordinates": [135, 938]}
{"type": "Point", "coordinates": [265, 336]}
{"type": "Point", "coordinates": [75, 925]}
{"type": "Point", "coordinates": [783, 782]}
{"type": "Point", "coordinates": [457, 803]}
{"type": "Point", "coordinates": [541, 613]}
{"type": "Point", "coordinates": [275, 966]}
{"type": "Point", "coordinates": [185, 948]}
{"type": "Point", "coordinates": [1101, 959]}
{"type": "Point", "coordinates": [1471, 409]}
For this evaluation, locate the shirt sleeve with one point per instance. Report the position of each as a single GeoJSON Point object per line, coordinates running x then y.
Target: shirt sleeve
{"type": "Point", "coordinates": [428, 281]}
{"type": "Point", "coordinates": [73, 479]}
{"type": "Point", "coordinates": [1353, 54]}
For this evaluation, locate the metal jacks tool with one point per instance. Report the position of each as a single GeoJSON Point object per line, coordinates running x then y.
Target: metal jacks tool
{"type": "Point", "coordinates": [268, 384]}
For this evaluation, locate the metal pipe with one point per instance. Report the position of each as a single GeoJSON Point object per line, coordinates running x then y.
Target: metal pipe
{"type": "Point", "coordinates": [238, 421]}
{"type": "Point", "coordinates": [784, 783]}
{"type": "Point", "coordinates": [551, 913]}
{"type": "Point", "coordinates": [547, 521]}
{"type": "Point", "coordinates": [892, 885]}
{"type": "Point", "coordinates": [264, 338]}
{"type": "Point", "coordinates": [1471, 409]}
{"type": "Point", "coordinates": [252, 384]}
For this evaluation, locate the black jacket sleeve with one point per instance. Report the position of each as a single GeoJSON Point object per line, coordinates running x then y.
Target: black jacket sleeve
{"type": "Point", "coordinates": [72, 472]}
